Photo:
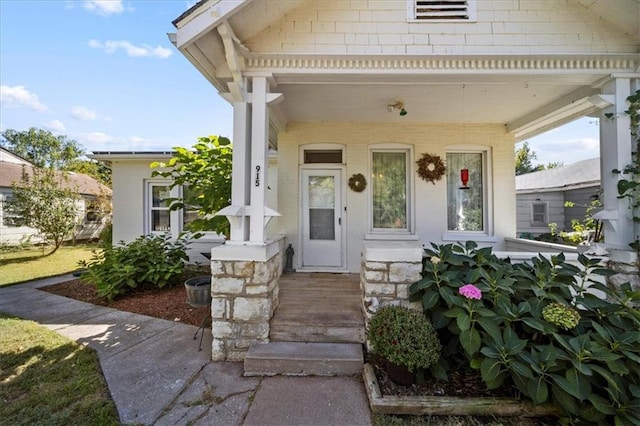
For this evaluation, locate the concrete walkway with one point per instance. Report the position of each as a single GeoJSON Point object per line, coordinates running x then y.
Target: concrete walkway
{"type": "Point", "coordinates": [157, 376]}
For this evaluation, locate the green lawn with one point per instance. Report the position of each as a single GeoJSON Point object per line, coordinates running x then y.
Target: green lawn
{"type": "Point", "coordinates": [30, 264]}
{"type": "Point", "coordinates": [47, 379]}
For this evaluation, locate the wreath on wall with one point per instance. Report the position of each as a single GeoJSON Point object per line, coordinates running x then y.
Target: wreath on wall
{"type": "Point", "coordinates": [431, 168]}
{"type": "Point", "coordinates": [357, 182]}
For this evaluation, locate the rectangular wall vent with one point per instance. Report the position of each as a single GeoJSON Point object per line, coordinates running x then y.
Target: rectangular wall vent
{"type": "Point", "coordinates": [442, 10]}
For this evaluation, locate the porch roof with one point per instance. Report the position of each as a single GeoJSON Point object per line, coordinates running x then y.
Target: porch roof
{"type": "Point", "coordinates": [527, 93]}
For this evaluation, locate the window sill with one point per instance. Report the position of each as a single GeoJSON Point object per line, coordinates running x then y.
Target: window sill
{"type": "Point", "coordinates": [391, 237]}
{"type": "Point", "coordinates": [469, 236]}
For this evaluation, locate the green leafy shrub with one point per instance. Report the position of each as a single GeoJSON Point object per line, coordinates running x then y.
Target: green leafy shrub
{"type": "Point", "coordinates": [404, 337]}
{"type": "Point", "coordinates": [106, 235]}
{"type": "Point", "coordinates": [538, 326]}
{"type": "Point", "coordinates": [148, 261]}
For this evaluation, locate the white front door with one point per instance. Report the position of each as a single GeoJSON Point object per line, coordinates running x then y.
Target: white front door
{"type": "Point", "coordinates": [322, 222]}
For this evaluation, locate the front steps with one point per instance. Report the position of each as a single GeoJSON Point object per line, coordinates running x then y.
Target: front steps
{"type": "Point", "coordinates": [304, 359]}
{"type": "Point", "coordinates": [317, 329]}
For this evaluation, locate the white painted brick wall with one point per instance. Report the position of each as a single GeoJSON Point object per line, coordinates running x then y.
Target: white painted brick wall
{"type": "Point", "coordinates": [430, 203]}
{"type": "Point", "coordinates": [502, 26]}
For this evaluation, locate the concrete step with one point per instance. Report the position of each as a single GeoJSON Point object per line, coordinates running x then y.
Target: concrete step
{"type": "Point", "coordinates": [304, 359]}
{"type": "Point", "coordinates": [285, 331]}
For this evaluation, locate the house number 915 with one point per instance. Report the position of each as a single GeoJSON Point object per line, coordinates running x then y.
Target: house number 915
{"type": "Point", "coordinates": [257, 175]}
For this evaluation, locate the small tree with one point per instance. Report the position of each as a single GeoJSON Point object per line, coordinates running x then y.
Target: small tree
{"type": "Point", "coordinates": [206, 172]}
{"type": "Point", "coordinates": [44, 203]}
{"type": "Point", "coordinates": [524, 160]}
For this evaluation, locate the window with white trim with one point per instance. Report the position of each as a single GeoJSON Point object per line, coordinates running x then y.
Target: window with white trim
{"type": "Point", "coordinates": [441, 10]}
{"type": "Point", "coordinates": [539, 213]}
{"type": "Point", "coordinates": [467, 202]}
{"type": "Point", "coordinates": [157, 207]}
{"type": "Point", "coordinates": [390, 190]}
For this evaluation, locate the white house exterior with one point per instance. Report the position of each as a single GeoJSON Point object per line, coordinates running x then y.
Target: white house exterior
{"type": "Point", "coordinates": [341, 88]}
{"type": "Point", "coordinates": [90, 221]}
{"type": "Point", "coordinates": [138, 208]}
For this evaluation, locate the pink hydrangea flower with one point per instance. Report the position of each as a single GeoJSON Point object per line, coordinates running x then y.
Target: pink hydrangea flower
{"type": "Point", "coordinates": [470, 291]}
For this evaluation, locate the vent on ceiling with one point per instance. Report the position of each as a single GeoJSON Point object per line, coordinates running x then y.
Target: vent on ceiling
{"type": "Point", "coordinates": [443, 10]}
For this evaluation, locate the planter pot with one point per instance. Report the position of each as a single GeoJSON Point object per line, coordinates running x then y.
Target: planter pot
{"type": "Point", "coordinates": [448, 405]}
{"type": "Point", "coordinates": [198, 291]}
{"type": "Point", "coordinates": [400, 374]}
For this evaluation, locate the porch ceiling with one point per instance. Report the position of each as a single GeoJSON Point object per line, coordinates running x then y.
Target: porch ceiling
{"type": "Point", "coordinates": [427, 98]}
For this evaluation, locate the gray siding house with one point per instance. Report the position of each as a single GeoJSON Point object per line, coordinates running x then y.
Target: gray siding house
{"type": "Point", "coordinates": [540, 196]}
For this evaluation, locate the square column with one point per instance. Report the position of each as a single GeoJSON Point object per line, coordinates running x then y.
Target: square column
{"type": "Point", "coordinates": [615, 154]}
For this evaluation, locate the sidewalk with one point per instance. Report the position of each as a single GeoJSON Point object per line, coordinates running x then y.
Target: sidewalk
{"type": "Point", "coordinates": [156, 375]}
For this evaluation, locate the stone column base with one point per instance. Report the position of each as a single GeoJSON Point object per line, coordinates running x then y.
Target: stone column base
{"type": "Point", "coordinates": [244, 293]}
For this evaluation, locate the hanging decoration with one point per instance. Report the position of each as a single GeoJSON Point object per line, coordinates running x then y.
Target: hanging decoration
{"type": "Point", "coordinates": [357, 182]}
{"type": "Point", "coordinates": [431, 168]}
{"type": "Point", "coordinates": [464, 178]}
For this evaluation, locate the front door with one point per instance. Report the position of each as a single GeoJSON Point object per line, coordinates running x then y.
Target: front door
{"type": "Point", "coordinates": [322, 236]}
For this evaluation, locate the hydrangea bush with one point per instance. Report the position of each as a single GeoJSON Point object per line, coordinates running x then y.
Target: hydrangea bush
{"type": "Point", "coordinates": [538, 326]}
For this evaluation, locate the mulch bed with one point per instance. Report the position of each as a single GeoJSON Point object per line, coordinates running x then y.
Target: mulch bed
{"type": "Point", "coordinates": [168, 303]}
{"type": "Point", "coordinates": [461, 383]}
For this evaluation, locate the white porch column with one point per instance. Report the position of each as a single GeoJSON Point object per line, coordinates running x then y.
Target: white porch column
{"type": "Point", "coordinates": [240, 170]}
{"type": "Point", "coordinates": [615, 153]}
{"type": "Point", "coordinates": [259, 152]}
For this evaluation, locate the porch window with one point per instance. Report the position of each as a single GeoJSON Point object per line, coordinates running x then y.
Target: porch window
{"type": "Point", "coordinates": [323, 156]}
{"type": "Point", "coordinates": [390, 190]}
{"type": "Point", "coordinates": [539, 213]}
{"type": "Point", "coordinates": [467, 204]}
{"type": "Point", "coordinates": [159, 216]}
{"type": "Point", "coordinates": [441, 10]}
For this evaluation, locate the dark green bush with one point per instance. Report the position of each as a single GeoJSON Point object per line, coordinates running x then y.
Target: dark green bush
{"type": "Point", "coordinates": [538, 326]}
{"type": "Point", "coordinates": [404, 337]}
{"type": "Point", "coordinates": [148, 261]}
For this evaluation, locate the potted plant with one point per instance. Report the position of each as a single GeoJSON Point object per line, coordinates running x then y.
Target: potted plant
{"type": "Point", "coordinates": [405, 339]}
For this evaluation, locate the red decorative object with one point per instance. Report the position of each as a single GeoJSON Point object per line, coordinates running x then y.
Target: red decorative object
{"type": "Point", "coordinates": [464, 177]}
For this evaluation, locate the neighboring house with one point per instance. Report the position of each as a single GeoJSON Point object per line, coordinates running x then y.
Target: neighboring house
{"type": "Point", "coordinates": [541, 196]}
{"type": "Point", "coordinates": [347, 88]}
{"type": "Point", "coordinates": [138, 207]}
{"type": "Point", "coordinates": [91, 220]}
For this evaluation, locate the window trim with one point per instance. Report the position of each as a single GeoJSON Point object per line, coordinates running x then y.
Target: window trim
{"type": "Point", "coordinates": [174, 216]}
{"type": "Point", "coordinates": [545, 222]}
{"type": "Point", "coordinates": [389, 233]}
{"type": "Point", "coordinates": [472, 14]}
{"type": "Point", "coordinates": [487, 235]}
{"type": "Point", "coordinates": [321, 147]}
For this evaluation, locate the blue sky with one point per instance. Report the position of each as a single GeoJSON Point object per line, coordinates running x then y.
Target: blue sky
{"type": "Point", "coordinates": [105, 74]}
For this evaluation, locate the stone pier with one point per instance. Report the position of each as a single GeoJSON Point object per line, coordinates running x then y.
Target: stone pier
{"type": "Point", "coordinates": [244, 295]}
{"type": "Point", "coordinates": [388, 270]}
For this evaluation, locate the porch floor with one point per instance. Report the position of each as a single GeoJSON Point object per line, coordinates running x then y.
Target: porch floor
{"type": "Point", "coordinates": [318, 307]}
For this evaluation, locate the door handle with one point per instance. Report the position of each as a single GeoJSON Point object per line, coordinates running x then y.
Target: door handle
{"type": "Point", "coordinates": [339, 221]}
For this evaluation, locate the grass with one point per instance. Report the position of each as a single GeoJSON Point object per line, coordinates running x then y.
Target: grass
{"type": "Point", "coordinates": [46, 379]}
{"type": "Point", "coordinates": [397, 420]}
{"type": "Point", "coordinates": [30, 264]}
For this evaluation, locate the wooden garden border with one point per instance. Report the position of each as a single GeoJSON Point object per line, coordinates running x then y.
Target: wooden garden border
{"type": "Point", "coordinates": [448, 405]}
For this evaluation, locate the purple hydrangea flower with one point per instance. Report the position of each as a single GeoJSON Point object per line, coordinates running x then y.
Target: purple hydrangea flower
{"type": "Point", "coordinates": [470, 291]}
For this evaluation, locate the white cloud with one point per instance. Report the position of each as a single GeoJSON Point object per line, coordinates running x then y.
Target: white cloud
{"type": "Point", "coordinates": [137, 140]}
{"type": "Point", "coordinates": [18, 96]}
{"type": "Point", "coordinates": [82, 113]}
{"type": "Point", "coordinates": [56, 126]}
{"type": "Point", "coordinates": [103, 7]}
{"type": "Point", "coordinates": [96, 138]}
{"type": "Point", "coordinates": [111, 46]}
